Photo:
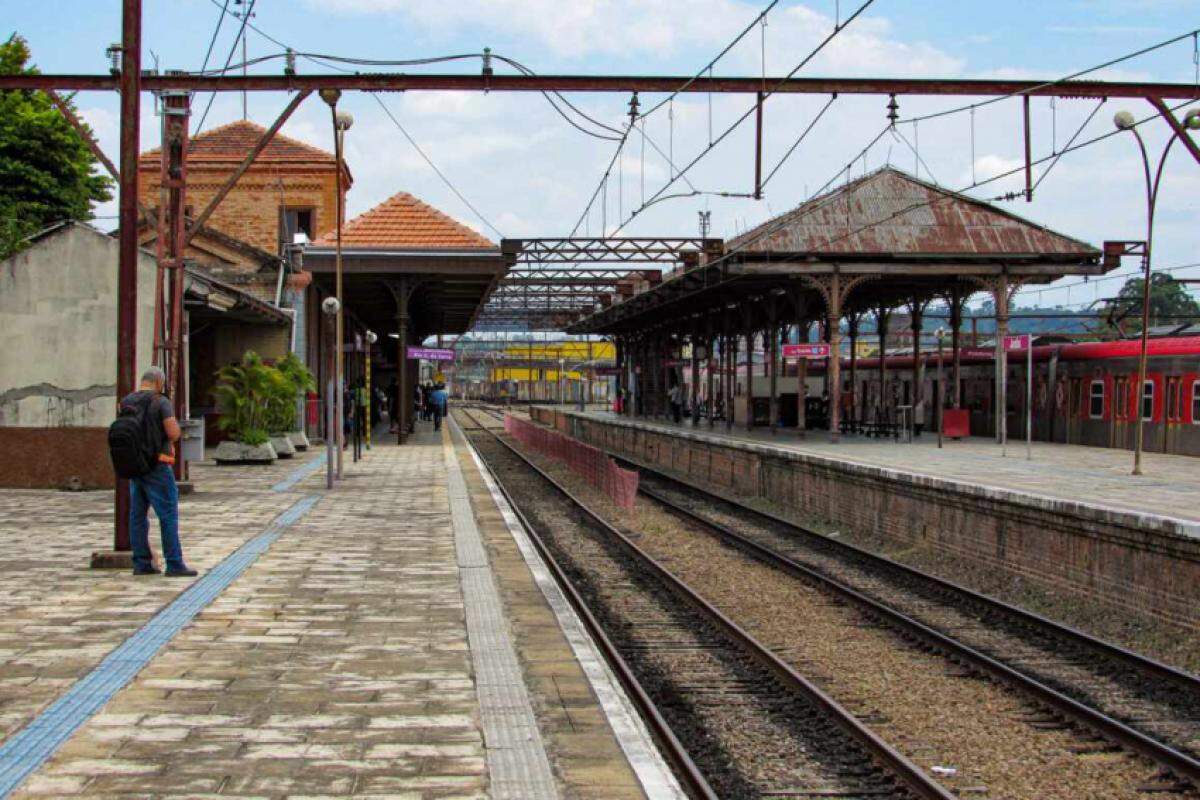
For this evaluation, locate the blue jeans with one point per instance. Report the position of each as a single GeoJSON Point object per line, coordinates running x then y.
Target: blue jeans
{"type": "Point", "coordinates": [156, 489]}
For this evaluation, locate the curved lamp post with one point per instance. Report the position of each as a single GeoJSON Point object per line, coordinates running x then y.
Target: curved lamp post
{"type": "Point", "coordinates": [1125, 121]}
{"type": "Point", "coordinates": [342, 120]}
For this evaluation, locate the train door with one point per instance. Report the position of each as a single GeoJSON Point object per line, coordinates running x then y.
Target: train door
{"type": "Point", "coordinates": [1172, 413]}
{"type": "Point", "coordinates": [1119, 428]}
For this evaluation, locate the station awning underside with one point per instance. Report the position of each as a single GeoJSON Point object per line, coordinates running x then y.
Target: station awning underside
{"type": "Point", "coordinates": [447, 288]}
{"type": "Point", "coordinates": [889, 239]}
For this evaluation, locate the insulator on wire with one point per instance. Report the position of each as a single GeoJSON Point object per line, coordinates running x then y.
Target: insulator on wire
{"type": "Point", "coordinates": [114, 58]}
{"type": "Point", "coordinates": [289, 62]}
{"type": "Point", "coordinates": [487, 61]}
{"type": "Point", "coordinates": [893, 109]}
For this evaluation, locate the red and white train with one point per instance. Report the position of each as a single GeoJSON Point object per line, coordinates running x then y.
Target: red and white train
{"type": "Point", "coordinates": [1083, 393]}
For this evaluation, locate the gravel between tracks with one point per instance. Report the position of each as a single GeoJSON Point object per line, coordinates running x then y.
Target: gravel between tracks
{"type": "Point", "coordinates": [998, 744]}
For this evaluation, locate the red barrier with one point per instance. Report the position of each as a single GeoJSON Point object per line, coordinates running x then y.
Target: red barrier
{"type": "Point", "coordinates": [586, 461]}
{"type": "Point", "coordinates": [956, 423]}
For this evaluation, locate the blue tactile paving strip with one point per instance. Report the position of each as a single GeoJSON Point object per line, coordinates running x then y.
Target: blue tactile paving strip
{"type": "Point", "coordinates": [300, 473]}
{"type": "Point", "coordinates": [33, 745]}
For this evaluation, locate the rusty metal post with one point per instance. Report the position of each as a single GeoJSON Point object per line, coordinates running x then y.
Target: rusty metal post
{"type": "Point", "coordinates": [176, 111]}
{"type": "Point", "coordinates": [710, 399]}
{"type": "Point", "coordinates": [758, 134]}
{"type": "Point", "coordinates": [1000, 296]}
{"type": "Point", "coordinates": [732, 386]}
{"type": "Point", "coordinates": [1028, 156]}
{"type": "Point", "coordinates": [694, 389]}
{"type": "Point", "coordinates": [918, 377]}
{"type": "Point", "coordinates": [127, 269]}
{"type": "Point", "coordinates": [956, 309]}
{"type": "Point", "coordinates": [852, 328]}
{"type": "Point", "coordinates": [834, 371]}
{"type": "Point", "coordinates": [749, 376]}
{"type": "Point", "coordinates": [882, 323]}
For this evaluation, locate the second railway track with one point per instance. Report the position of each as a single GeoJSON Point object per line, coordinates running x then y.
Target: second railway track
{"type": "Point", "coordinates": [1075, 682]}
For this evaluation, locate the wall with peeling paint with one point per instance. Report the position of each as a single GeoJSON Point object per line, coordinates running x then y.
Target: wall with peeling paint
{"type": "Point", "coordinates": [58, 315]}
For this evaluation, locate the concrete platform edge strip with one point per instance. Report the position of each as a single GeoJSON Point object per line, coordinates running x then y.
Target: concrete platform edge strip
{"type": "Point", "coordinates": [1158, 523]}
{"type": "Point", "coordinates": [518, 766]}
{"type": "Point", "coordinates": [30, 747]}
{"type": "Point", "coordinates": [635, 740]}
{"type": "Point", "coordinates": [300, 473]}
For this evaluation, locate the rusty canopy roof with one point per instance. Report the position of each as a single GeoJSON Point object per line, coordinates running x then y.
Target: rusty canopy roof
{"type": "Point", "coordinates": [893, 214]}
{"type": "Point", "coordinates": [908, 238]}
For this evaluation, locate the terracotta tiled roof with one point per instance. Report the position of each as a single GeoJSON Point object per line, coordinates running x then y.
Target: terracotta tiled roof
{"type": "Point", "coordinates": [404, 222]}
{"type": "Point", "coordinates": [230, 143]}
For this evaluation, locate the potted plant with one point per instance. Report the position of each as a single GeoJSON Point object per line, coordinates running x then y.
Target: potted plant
{"type": "Point", "coordinates": [243, 391]}
{"type": "Point", "coordinates": [280, 416]}
{"type": "Point", "coordinates": [302, 382]}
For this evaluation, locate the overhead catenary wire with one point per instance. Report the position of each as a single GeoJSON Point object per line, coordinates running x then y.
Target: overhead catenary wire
{"type": "Point", "coordinates": [216, 32]}
{"type": "Point", "coordinates": [246, 14]}
{"type": "Point", "coordinates": [803, 134]}
{"type": "Point", "coordinates": [767, 92]}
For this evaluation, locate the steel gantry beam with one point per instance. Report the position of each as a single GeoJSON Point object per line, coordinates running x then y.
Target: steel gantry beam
{"type": "Point", "coordinates": [399, 82]}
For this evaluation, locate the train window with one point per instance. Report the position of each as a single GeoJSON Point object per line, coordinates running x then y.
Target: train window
{"type": "Point", "coordinates": [1148, 401]}
{"type": "Point", "coordinates": [1196, 402]}
{"type": "Point", "coordinates": [1096, 401]}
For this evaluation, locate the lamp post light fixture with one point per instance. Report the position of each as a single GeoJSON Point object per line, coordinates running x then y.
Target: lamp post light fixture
{"type": "Point", "coordinates": [342, 120]}
{"type": "Point", "coordinates": [331, 307]}
{"type": "Point", "coordinates": [1125, 121]}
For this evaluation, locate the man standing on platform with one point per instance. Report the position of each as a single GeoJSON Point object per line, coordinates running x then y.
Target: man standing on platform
{"type": "Point", "coordinates": [439, 398]}
{"type": "Point", "coordinates": [155, 488]}
{"type": "Point", "coordinates": [675, 396]}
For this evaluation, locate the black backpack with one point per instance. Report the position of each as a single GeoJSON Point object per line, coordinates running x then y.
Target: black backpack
{"type": "Point", "coordinates": [133, 442]}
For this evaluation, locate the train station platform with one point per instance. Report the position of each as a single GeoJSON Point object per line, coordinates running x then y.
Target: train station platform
{"type": "Point", "coordinates": [1070, 518]}
{"type": "Point", "coordinates": [393, 637]}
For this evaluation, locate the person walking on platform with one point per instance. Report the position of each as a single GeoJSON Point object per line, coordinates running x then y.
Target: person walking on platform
{"type": "Point", "coordinates": [148, 415]}
{"type": "Point", "coordinates": [675, 397]}
{"type": "Point", "coordinates": [393, 400]}
{"type": "Point", "coordinates": [439, 398]}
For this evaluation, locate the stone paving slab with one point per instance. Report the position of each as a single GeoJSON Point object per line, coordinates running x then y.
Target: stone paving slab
{"type": "Point", "coordinates": [1090, 475]}
{"type": "Point", "coordinates": [59, 618]}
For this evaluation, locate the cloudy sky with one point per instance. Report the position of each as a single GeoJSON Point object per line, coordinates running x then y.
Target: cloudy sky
{"type": "Point", "coordinates": [529, 173]}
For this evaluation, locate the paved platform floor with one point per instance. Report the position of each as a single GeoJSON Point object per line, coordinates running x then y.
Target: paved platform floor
{"type": "Point", "coordinates": [1098, 476]}
{"type": "Point", "coordinates": [347, 659]}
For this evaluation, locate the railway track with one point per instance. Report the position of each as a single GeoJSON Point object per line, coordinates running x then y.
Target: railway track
{"type": "Point", "coordinates": [1136, 702]}
{"type": "Point", "coordinates": [1132, 702]}
{"type": "Point", "coordinates": [735, 720]}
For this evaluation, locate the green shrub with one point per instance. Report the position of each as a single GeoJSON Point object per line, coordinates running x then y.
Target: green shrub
{"type": "Point", "coordinates": [243, 391]}
{"type": "Point", "coordinates": [289, 383]}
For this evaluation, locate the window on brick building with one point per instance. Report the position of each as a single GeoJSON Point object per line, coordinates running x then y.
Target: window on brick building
{"type": "Point", "coordinates": [296, 220]}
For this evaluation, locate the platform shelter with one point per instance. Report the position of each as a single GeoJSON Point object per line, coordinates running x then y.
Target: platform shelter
{"type": "Point", "coordinates": [409, 272]}
{"type": "Point", "coordinates": [883, 244]}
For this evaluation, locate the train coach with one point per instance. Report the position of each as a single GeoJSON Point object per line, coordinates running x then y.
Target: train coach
{"type": "Point", "coordinates": [1083, 392]}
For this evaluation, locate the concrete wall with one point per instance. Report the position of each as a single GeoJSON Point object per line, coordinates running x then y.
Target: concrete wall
{"type": "Point", "coordinates": [58, 314]}
{"type": "Point", "coordinates": [1132, 561]}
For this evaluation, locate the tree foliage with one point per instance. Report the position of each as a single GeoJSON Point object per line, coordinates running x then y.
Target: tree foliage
{"type": "Point", "coordinates": [1169, 302]}
{"type": "Point", "coordinates": [46, 168]}
{"type": "Point", "coordinates": [243, 395]}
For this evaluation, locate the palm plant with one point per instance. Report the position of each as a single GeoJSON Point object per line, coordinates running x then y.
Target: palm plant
{"type": "Point", "coordinates": [292, 382]}
{"type": "Point", "coordinates": [243, 392]}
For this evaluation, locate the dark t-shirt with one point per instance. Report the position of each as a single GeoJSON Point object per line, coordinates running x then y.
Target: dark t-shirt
{"type": "Point", "coordinates": [160, 410]}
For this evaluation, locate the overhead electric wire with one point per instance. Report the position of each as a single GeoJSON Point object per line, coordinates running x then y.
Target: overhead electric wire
{"type": "Point", "coordinates": [1047, 84]}
{"type": "Point", "coordinates": [246, 14]}
{"type": "Point", "coordinates": [762, 98]}
{"type": "Point", "coordinates": [796, 143]}
{"type": "Point", "coordinates": [216, 31]}
{"type": "Point", "coordinates": [1070, 141]}
{"type": "Point", "coordinates": [434, 167]}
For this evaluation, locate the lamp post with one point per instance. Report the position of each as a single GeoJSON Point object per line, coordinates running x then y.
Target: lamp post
{"type": "Point", "coordinates": [1125, 121]}
{"type": "Point", "coordinates": [330, 307]}
{"type": "Point", "coordinates": [342, 120]}
{"type": "Point", "coordinates": [371, 340]}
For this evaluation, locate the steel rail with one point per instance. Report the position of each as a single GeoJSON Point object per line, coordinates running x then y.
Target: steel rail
{"type": "Point", "coordinates": [1137, 660]}
{"type": "Point", "coordinates": [401, 82]}
{"type": "Point", "coordinates": [1182, 764]}
{"type": "Point", "coordinates": [908, 773]}
{"type": "Point", "coordinates": [676, 753]}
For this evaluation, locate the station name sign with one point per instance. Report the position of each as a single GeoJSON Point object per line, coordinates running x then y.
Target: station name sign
{"type": "Point", "coordinates": [806, 350]}
{"type": "Point", "coordinates": [430, 354]}
{"type": "Point", "coordinates": [1016, 342]}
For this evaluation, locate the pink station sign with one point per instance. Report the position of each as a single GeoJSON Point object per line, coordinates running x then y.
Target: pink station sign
{"type": "Point", "coordinates": [430, 354]}
{"type": "Point", "coordinates": [806, 351]}
{"type": "Point", "coordinates": [1016, 342]}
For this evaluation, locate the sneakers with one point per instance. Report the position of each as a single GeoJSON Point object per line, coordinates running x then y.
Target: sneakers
{"type": "Point", "coordinates": [184, 572]}
{"type": "Point", "coordinates": [147, 571]}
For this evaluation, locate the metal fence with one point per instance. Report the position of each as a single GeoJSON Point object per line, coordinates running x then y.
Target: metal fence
{"type": "Point", "coordinates": [586, 461]}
